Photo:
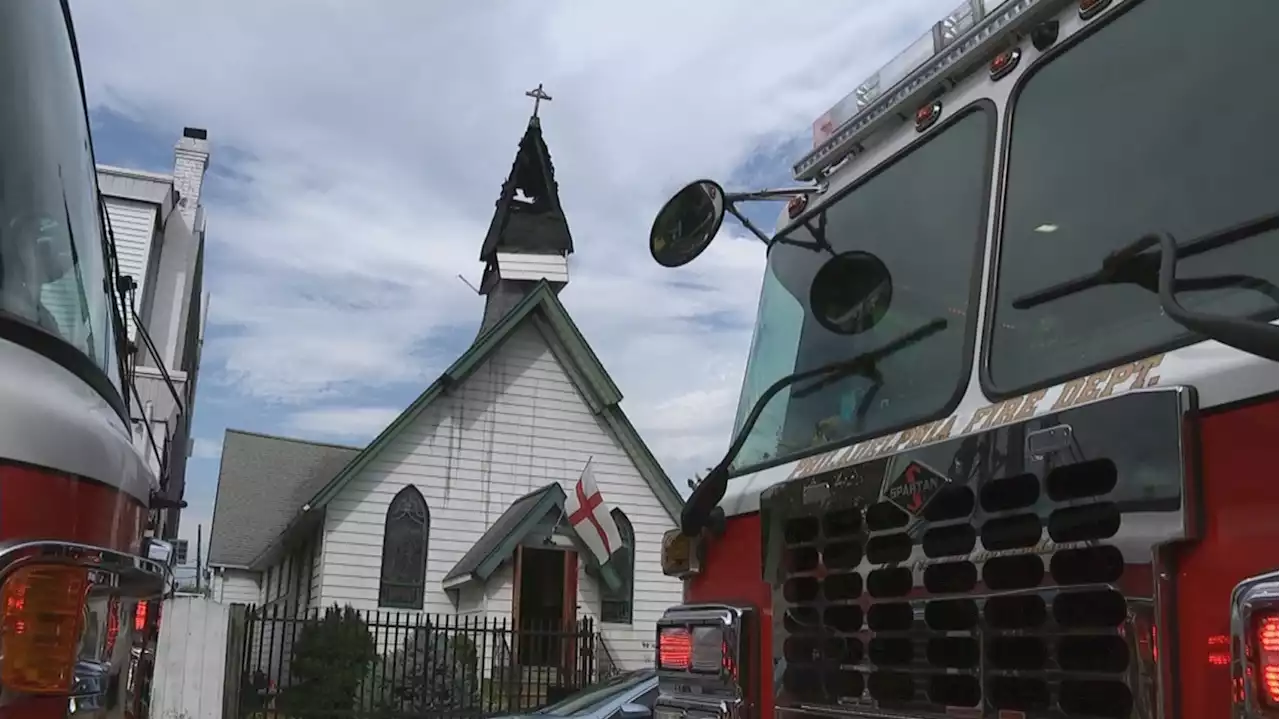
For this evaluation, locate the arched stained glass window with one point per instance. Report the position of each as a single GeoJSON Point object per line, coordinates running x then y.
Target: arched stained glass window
{"type": "Point", "coordinates": [403, 580]}
{"type": "Point", "coordinates": [615, 604]}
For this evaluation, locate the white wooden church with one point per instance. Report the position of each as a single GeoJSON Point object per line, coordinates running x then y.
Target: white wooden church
{"type": "Point", "coordinates": [514, 486]}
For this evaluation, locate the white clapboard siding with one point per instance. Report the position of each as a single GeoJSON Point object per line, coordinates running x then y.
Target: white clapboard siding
{"type": "Point", "coordinates": [317, 571]}
{"type": "Point", "coordinates": [236, 586]}
{"type": "Point", "coordinates": [533, 267]}
{"type": "Point", "coordinates": [191, 658]}
{"type": "Point", "coordinates": [133, 225]}
{"type": "Point", "coordinates": [516, 424]}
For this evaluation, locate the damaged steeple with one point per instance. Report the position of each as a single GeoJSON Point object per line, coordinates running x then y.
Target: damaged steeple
{"type": "Point", "coordinates": [528, 239]}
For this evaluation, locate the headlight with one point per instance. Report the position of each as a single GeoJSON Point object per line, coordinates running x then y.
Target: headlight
{"type": "Point", "coordinates": [701, 654]}
{"type": "Point", "coordinates": [710, 650]}
{"type": "Point", "coordinates": [675, 649]}
{"type": "Point", "coordinates": [700, 649]}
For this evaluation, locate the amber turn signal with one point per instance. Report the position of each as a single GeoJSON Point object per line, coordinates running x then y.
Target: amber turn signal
{"type": "Point", "coordinates": [43, 608]}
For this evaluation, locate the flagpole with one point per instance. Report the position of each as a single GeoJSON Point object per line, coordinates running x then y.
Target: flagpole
{"type": "Point", "coordinates": [580, 474]}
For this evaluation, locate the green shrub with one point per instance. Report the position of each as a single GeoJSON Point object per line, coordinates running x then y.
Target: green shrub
{"type": "Point", "coordinates": [330, 659]}
{"type": "Point", "coordinates": [431, 671]}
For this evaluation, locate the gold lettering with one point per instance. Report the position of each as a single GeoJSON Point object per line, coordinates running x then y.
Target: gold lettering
{"type": "Point", "coordinates": [980, 415]}
{"type": "Point", "coordinates": [1006, 411]}
{"type": "Point", "coordinates": [907, 438]}
{"type": "Point", "coordinates": [917, 435]}
{"type": "Point", "coordinates": [1118, 375]}
{"type": "Point", "coordinates": [941, 430]}
{"type": "Point", "coordinates": [802, 468]}
{"type": "Point", "coordinates": [882, 444]}
{"type": "Point", "coordinates": [1070, 394]}
{"type": "Point", "coordinates": [1092, 388]}
{"type": "Point", "coordinates": [844, 456]}
{"type": "Point", "coordinates": [1142, 369]}
{"type": "Point", "coordinates": [824, 462]}
{"type": "Point", "coordinates": [1029, 403]}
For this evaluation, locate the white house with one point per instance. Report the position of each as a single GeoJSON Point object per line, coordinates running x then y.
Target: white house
{"type": "Point", "coordinates": [458, 507]}
{"type": "Point", "coordinates": [158, 223]}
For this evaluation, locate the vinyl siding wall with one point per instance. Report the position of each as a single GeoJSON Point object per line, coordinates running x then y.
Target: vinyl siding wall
{"type": "Point", "coordinates": [517, 423]}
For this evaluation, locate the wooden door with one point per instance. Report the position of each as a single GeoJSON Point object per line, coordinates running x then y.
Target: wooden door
{"type": "Point", "coordinates": [569, 617]}
{"type": "Point", "coordinates": [516, 575]}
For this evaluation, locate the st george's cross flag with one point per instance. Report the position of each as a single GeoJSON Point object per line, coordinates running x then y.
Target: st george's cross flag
{"type": "Point", "coordinates": [592, 520]}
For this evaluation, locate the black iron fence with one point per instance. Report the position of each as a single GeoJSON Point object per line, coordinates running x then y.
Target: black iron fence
{"type": "Point", "coordinates": [340, 662]}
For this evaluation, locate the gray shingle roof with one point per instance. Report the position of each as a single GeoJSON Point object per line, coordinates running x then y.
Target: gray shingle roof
{"type": "Point", "coordinates": [263, 481]}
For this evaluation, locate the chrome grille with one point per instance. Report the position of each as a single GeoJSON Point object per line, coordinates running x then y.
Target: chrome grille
{"type": "Point", "coordinates": [1022, 585]}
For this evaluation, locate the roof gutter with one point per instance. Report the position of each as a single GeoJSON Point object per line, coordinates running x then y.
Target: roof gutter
{"type": "Point", "coordinates": [458, 581]}
{"type": "Point", "coordinates": [295, 525]}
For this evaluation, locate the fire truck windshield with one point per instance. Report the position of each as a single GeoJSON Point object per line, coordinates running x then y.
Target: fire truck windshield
{"type": "Point", "coordinates": [922, 215]}
{"type": "Point", "coordinates": [1150, 124]}
{"type": "Point", "coordinates": [52, 264]}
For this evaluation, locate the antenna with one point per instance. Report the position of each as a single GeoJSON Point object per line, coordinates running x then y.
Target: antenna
{"type": "Point", "coordinates": [468, 284]}
{"type": "Point", "coordinates": [199, 549]}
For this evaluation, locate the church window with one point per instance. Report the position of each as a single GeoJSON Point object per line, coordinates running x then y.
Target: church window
{"type": "Point", "coordinates": [403, 580]}
{"type": "Point", "coordinates": [615, 604]}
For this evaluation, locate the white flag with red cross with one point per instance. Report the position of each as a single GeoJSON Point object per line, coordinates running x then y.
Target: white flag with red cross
{"type": "Point", "coordinates": [592, 520]}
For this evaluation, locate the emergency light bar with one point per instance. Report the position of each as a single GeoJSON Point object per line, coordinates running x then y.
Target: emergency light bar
{"type": "Point", "coordinates": [969, 33]}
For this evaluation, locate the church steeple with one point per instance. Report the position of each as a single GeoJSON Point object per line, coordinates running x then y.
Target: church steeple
{"type": "Point", "coordinates": [528, 239]}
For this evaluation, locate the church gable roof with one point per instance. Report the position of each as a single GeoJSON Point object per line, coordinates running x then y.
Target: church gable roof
{"type": "Point", "coordinates": [262, 481]}
{"type": "Point", "coordinates": [578, 360]}
{"type": "Point", "coordinates": [528, 217]}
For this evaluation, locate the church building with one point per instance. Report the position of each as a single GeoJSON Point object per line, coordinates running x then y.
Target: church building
{"type": "Point", "coordinates": [514, 486]}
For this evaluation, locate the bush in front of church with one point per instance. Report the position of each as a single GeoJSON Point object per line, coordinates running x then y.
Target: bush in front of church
{"type": "Point", "coordinates": [330, 659]}
{"type": "Point", "coordinates": [431, 671]}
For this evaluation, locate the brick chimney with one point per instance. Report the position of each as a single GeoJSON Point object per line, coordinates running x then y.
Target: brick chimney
{"type": "Point", "coordinates": [190, 160]}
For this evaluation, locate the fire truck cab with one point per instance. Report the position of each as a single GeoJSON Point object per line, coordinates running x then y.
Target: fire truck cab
{"type": "Point", "coordinates": [1006, 439]}
{"type": "Point", "coordinates": [76, 565]}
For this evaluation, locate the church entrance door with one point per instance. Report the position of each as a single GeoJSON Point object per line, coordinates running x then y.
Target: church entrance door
{"type": "Point", "coordinates": [545, 605]}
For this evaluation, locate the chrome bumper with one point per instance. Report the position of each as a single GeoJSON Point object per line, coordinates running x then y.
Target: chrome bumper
{"type": "Point", "coordinates": [112, 575]}
{"type": "Point", "coordinates": [122, 574]}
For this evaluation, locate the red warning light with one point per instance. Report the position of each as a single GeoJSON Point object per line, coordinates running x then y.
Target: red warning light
{"type": "Point", "coordinates": [796, 205]}
{"type": "Point", "coordinates": [1089, 9]}
{"type": "Point", "coordinates": [1005, 62]}
{"type": "Point", "coordinates": [1219, 654]}
{"type": "Point", "coordinates": [927, 115]}
{"type": "Point", "coordinates": [675, 649]}
{"type": "Point", "coordinates": [1267, 638]}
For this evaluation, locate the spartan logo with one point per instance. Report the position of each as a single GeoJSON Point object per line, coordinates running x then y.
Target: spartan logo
{"type": "Point", "coordinates": [915, 487]}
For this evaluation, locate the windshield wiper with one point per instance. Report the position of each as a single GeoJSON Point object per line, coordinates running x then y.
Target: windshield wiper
{"type": "Point", "coordinates": [1157, 272]}
{"type": "Point", "coordinates": [868, 365]}
{"type": "Point", "coordinates": [701, 509]}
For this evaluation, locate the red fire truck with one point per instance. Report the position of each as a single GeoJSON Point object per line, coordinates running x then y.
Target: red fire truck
{"type": "Point", "coordinates": [1005, 445]}
{"type": "Point", "coordinates": [75, 493]}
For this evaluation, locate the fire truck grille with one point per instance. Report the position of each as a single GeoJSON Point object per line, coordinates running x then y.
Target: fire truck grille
{"type": "Point", "coordinates": [1019, 586]}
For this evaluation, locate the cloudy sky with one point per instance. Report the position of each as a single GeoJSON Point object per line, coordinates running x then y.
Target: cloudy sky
{"type": "Point", "coordinates": [358, 149]}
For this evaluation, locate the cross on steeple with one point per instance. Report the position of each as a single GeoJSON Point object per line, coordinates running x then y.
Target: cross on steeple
{"type": "Point", "coordinates": [538, 96]}
{"type": "Point", "coordinates": [528, 239]}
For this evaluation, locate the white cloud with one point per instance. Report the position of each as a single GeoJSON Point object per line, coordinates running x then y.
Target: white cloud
{"type": "Point", "coordinates": [364, 422]}
{"type": "Point", "coordinates": [207, 448]}
{"type": "Point", "coordinates": [377, 140]}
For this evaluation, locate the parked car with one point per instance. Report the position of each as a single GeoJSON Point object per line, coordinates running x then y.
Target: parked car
{"type": "Point", "coordinates": [629, 695]}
